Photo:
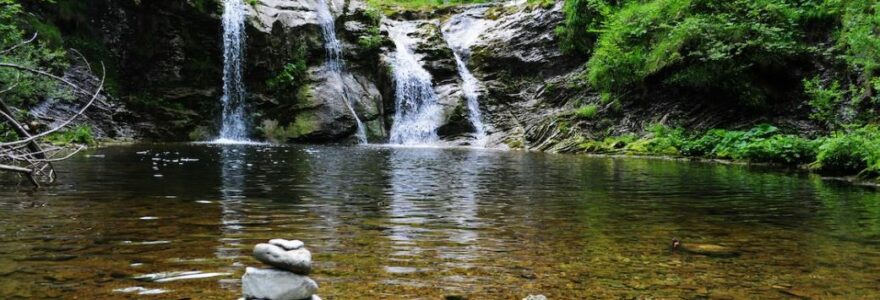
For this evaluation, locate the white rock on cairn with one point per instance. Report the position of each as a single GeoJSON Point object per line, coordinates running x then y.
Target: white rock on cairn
{"type": "Point", "coordinates": [287, 279]}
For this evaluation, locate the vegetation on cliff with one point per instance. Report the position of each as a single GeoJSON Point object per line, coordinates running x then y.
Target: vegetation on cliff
{"type": "Point", "coordinates": [818, 54]}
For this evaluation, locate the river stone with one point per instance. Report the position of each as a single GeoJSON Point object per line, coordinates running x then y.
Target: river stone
{"type": "Point", "coordinates": [298, 261]}
{"type": "Point", "coordinates": [535, 297]}
{"type": "Point", "coordinates": [710, 250]}
{"type": "Point", "coordinates": [287, 244]}
{"type": "Point", "coordinates": [274, 284]}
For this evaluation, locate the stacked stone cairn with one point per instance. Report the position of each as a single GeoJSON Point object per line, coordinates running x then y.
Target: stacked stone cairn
{"type": "Point", "coordinates": [287, 279]}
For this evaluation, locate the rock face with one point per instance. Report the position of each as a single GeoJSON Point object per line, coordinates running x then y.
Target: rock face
{"type": "Point", "coordinates": [276, 285]}
{"type": "Point", "coordinates": [298, 260]}
{"type": "Point", "coordinates": [108, 117]}
{"type": "Point", "coordinates": [165, 62]}
{"type": "Point", "coordinates": [289, 31]}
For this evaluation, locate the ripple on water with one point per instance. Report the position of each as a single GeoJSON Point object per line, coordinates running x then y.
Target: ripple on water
{"type": "Point", "coordinates": [388, 223]}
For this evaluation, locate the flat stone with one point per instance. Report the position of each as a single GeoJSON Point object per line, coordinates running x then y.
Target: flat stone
{"type": "Point", "coordinates": [535, 297]}
{"type": "Point", "coordinates": [275, 284]}
{"type": "Point", "coordinates": [710, 250]}
{"type": "Point", "coordinates": [287, 244]}
{"type": "Point", "coordinates": [298, 261]}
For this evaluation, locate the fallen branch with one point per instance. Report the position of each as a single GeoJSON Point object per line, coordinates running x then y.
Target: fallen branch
{"type": "Point", "coordinates": [26, 156]}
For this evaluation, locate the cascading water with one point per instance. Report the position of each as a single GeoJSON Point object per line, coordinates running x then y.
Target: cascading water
{"type": "Point", "coordinates": [461, 32]}
{"type": "Point", "coordinates": [234, 126]}
{"type": "Point", "coordinates": [417, 114]}
{"type": "Point", "coordinates": [334, 60]}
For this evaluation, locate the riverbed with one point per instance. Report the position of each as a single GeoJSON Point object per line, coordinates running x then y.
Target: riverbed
{"type": "Point", "coordinates": [179, 220]}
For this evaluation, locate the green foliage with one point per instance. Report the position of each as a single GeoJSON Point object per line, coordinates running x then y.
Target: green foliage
{"type": "Point", "coordinates": [859, 32]}
{"type": "Point", "coordinates": [391, 6]}
{"type": "Point", "coordinates": [81, 134]}
{"type": "Point", "coordinates": [823, 100]}
{"type": "Point", "coordinates": [303, 124]}
{"type": "Point", "coordinates": [372, 40]}
{"type": "Point", "coordinates": [850, 152]}
{"type": "Point", "coordinates": [587, 112]}
{"type": "Point", "coordinates": [696, 44]}
{"type": "Point", "coordinates": [583, 22]}
{"type": "Point", "coordinates": [292, 75]}
{"type": "Point", "coordinates": [6, 133]}
{"type": "Point", "coordinates": [41, 54]}
{"type": "Point", "coordinates": [763, 143]}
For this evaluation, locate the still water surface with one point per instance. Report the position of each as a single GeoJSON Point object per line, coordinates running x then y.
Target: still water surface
{"type": "Point", "coordinates": [423, 223]}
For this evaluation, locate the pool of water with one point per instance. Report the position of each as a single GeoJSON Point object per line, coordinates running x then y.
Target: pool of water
{"type": "Point", "coordinates": [179, 221]}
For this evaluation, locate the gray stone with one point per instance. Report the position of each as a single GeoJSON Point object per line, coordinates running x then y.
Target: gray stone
{"type": "Point", "coordinates": [298, 261]}
{"type": "Point", "coordinates": [535, 297]}
{"type": "Point", "coordinates": [274, 284]}
{"type": "Point", "coordinates": [287, 244]}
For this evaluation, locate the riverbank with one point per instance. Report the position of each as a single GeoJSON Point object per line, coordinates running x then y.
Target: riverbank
{"type": "Point", "coordinates": [851, 154]}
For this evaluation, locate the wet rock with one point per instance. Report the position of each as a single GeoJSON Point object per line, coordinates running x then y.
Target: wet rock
{"type": "Point", "coordinates": [287, 244]}
{"type": "Point", "coordinates": [277, 284]}
{"type": "Point", "coordinates": [709, 250]}
{"type": "Point", "coordinates": [298, 261]}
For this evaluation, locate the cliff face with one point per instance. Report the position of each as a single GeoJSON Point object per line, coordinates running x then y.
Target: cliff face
{"type": "Point", "coordinates": [165, 66]}
{"type": "Point", "coordinates": [165, 61]}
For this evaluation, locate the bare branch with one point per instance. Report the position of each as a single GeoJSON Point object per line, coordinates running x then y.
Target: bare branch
{"type": "Point", "coordinates": [47, 74]}
{"type": "Point", "coordinates": [68, 121]}
{"type": "Point", "coordinates": [83, 58]}
{"type": "Point", "coordinates": [33, 38]}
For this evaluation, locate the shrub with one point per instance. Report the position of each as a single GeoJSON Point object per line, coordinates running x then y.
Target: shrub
{"type": "Point", "coordinates": [372, 40]}
{"type": "Point", "coordinates": [81, 134]}
{"type": "Point", "coordinates": [823, 100]}
{"type": "Point", "coordinates": [587, 112]}
{"type": "Point", "coordinates": [292, 75]}
{"type": "Point", "coordinates": [856, 151]}
{"type": "Point", "coordinates": [719, 46]}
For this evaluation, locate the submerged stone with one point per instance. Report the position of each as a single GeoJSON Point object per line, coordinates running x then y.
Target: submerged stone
{"type": "Point", "coordinates": [274, 284]}
{"type": "Point", "coordinates": [298, 261]}
{"type": "Point", "coordinates": [710, 250]}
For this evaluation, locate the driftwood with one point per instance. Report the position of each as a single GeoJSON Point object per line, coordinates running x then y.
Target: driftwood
{"type": "Point", "coordinates": [26, 155]}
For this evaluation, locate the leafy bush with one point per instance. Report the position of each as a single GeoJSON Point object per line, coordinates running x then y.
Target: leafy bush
{"type": "Point", "coordinates": [81, 134]}
{"type": "Point", "coordinates": [823, 100]}
{"type": "Point", "coordinates": [41, 54]}
{"type": "Point", "coordinates": [722, 46]}
{"type": "Point", "coordinates": [372, 40]}
{"type": "Point", "coordinates": [7, 134]}
{"type": "Point", "coordinates": [850, 152]}
{"type": "Point", "coordinates": [292, 75]}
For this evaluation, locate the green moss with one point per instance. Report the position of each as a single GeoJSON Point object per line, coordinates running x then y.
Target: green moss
{"type": "Point", "coordinates": [305, 123]}
{"type": "Point", "coordinates": [391, 6]}
{"type": "Point", "coordinates": [587, 112]}
{"type": "Point", "coordinates": [372, 40]}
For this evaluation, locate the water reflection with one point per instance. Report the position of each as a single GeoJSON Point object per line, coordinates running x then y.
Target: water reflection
{"type": "Point", "coordinates": [233, 166]}
{"type": "Point", "coordinates": [403, 223]}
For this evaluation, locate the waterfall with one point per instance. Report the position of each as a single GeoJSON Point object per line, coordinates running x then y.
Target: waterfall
{"type": "Point", "coordinates": [417, 114]}
{"type": "Point", "coordinates": [334, 60]}
{"type": "Point", "coordinates": [234, 125]}
{"type": "Point", "coordinates": [461, 32]}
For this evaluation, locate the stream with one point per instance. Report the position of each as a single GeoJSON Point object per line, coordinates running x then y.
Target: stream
{"type": "Point", "coordinates": [160, 221]}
